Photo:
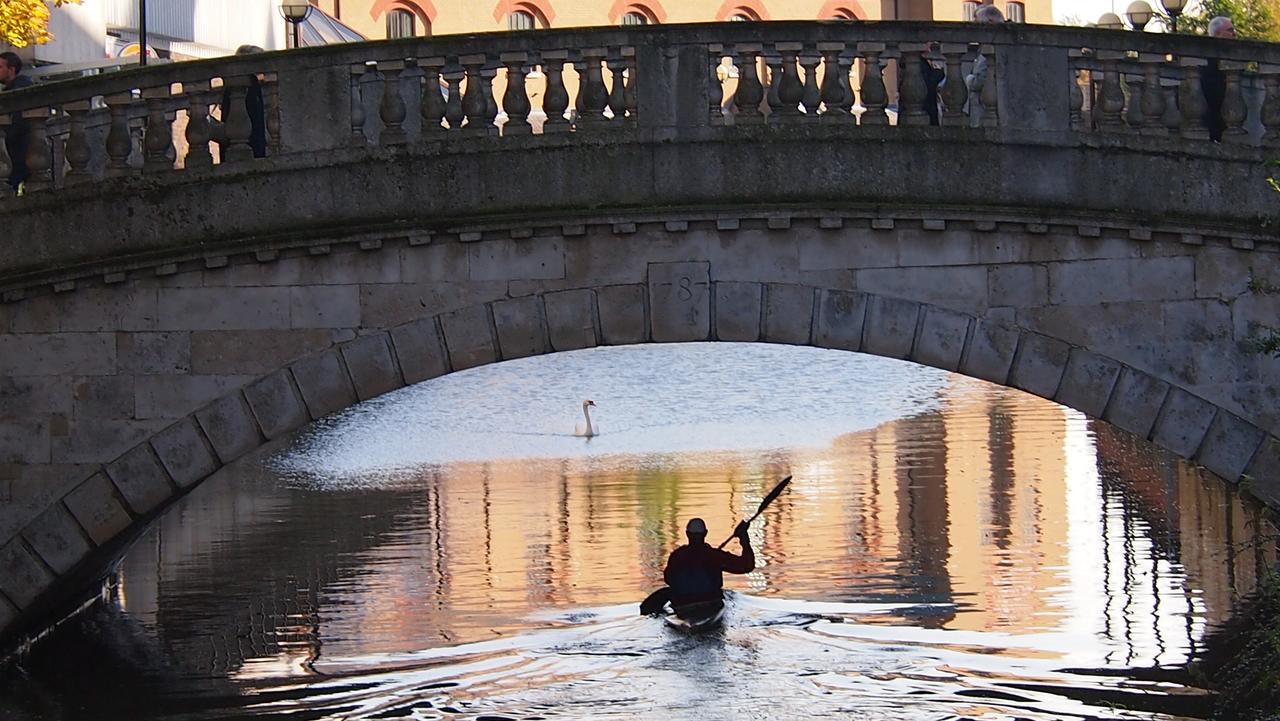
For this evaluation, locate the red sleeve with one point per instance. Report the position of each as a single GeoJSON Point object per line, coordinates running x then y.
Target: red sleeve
{"type": "Point", "coordinates": [746, 563]}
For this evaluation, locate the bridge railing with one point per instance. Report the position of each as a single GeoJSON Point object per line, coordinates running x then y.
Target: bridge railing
{"type": "Point", "coordinates": [1067, 83]}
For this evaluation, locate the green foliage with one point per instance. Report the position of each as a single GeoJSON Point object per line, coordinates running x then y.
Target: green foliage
{"type": "Point", "coordinates": [1241, 658]}
{"type": "Point", "coordinates": [1253, 19]}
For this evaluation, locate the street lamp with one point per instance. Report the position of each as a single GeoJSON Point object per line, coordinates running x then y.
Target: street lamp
{"type": "Point", "coordinates": [1139, 13]}
{"type": "Point", "coordinates": [1174, 8]}
{"type": "Point", "coordinates": [294, 14]}
{"type": "Point", "coordinates": [1110, 21]}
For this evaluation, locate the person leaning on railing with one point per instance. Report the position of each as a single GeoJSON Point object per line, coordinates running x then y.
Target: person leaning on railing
{"type": "Point", "coordinates": [18, 138]}
{"type": "Point", "coordinates": [253, 105]}
{"type": "Point", "coordinates": [977, 77]}
{"type": "Point", "coordinates": [1213, 83]}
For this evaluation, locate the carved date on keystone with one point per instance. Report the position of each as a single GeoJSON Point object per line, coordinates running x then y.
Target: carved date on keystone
{"type": "Point", "coordinates": [681, 298]}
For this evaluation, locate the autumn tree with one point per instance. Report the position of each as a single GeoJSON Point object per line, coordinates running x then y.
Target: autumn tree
{"type": "Point", "coordinates": [1253, 19]}
{"type": "Point", "coordinates": [26, 22]}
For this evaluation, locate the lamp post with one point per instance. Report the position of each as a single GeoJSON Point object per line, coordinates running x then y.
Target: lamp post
{"type": "Point", "coordinates": [1110, 21]}
{"type": "Point", "coordinates": [142, 32]}
{"type": "Point", "coordinates": [1139, 14]}
{"type": "Point", "coordinates": [294, 14]}
{"type": "Point", "coordinates": [1174, 8]}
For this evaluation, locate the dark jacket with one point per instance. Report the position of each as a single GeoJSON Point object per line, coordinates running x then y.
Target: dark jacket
{"type": "Point", "coordinates": [695, 572]}
{"type": "Point", "coordinates": [933, 76]}
{"type": "Point", "coordinates": [1214, 85]}
{"type": "Point", "coordinates": [257, 109]}
{"type": "Point", "coordinates": [18, 140]}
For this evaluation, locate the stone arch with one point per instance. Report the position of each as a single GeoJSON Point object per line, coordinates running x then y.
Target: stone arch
{"type": "Point", "coordinates": [69, 545]}
{"type": "Point", "coordinates": [424, 10]}
{"type": "Point", "coordinates": [754, 9]}
{"type": "Point", "coordinates": [651, 9]}
{"type": "Point", "coordinates": [541, 10]}
{"type": "Point", "coordinates": [842, 9]}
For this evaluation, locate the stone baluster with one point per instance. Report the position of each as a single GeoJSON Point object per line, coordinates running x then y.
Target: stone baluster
{"type": "Point", "coordinates": [874, 97]}
{"type": "Point", "coordinates": [773, 70]}
{"type": "Point", "coordinates": [1191, 100]}
{"type": "Point", "coordinates": [955, 95]}
{"type": "Point", "coordinates": [912, 92]}
{"type": "Point", "coordinates": [488, 74]}
{"type": "Point", "coordinates": [556, 99]}
{"type": "Point", "coordinates": [391, 109]}
{"type": "Point", "coordinates": [1234, 109]}
{"type": "Point", "coordinates": [235, 119]}
{"type": "Point", "coordinates": [432, 108]}
{"type": "Point", "coordinates": [618, 87]}
{"type": "Point", "coordinates": [6, 165]}
{"type": "Point", "coordinates": [1133, 106]}
{"type": "Point", "coordinates": [848, 63]}
{"type": "Point", "coordinates": [474, 103]}
{"type": "Point", "coordinates": [198, 133]}
{"type": "Point", "coordinates": [630, 98]}
{"type": "Point", "coordinates": [1271, 104]}
{"type": "Point", "coordinates": [1172, 118]}
{"type": "Point", "coordinates": [990, 94]}
{"type": "Point", "coordinates": [39, 153]}
{"type": "Point", "coordinates": [78, 152]}
{"type": "Point", "coordinates": [119, 140]}
{"type": "Point", "coordinates": [358, 136]}
{"type": "Point", "coordinates": [157, 143]}
{"type": "Point", "coordinates": [1077, 100]}
{"type": "Point", "coordinates": [515, 101]}
{"type": "Point", "coordinates": [593, 97]}
{"type": "Point", "coordinates": [812, 96]}
{"type": "Point", "coordinates": [715, 86]}
{"type": "Point", "coordinates": [750, 91]}
{"type": "Point", "coordinates": [454, 112]}
{"type": "Point", "coordinates": [1152, 103]}
{"type": "Point", "coordinates": [831, 93]}
{"type": "Point", "coordinates": [271, 94]}
{"type": "Point", "coordinates": [790, 87]}
{"type": "Point", "coordinates": [1111, 97]}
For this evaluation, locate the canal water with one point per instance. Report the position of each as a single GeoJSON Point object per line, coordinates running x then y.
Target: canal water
{"type": "Point", "coordinates": [948, 550]}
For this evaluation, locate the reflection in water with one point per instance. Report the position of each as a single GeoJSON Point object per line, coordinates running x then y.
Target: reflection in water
{"type": "Point", "coordinates": [949, 549]}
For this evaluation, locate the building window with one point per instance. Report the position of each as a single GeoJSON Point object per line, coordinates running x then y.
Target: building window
{"type": "Point", "coordinates": [522, 20]}
{"type": "Point", "coordinates": [743, 16]}
{"type": "Point", "coordinates": [844, 15]}
{"type": "Point", "coordinates": [401, 24]}
{"type": "Point", "coordinates": [970, 10]}
{"type": "Point", "coordinates": [1017, 12]}
{"type": "Point", "coordinates": [635, 18]}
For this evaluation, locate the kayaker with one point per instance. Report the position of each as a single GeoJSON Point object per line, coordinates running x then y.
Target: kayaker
{"type": "Point", "coordinates": [695, 571]}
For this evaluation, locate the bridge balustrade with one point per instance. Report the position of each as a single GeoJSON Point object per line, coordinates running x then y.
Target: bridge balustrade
{"type": "Point", "coordinates": [1080, 84]}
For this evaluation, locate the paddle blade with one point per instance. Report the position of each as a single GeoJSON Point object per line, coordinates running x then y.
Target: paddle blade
{"type": "Point", "coordinates": [777, 491]}
{"type": "Point", "coordinates": [655, 601]}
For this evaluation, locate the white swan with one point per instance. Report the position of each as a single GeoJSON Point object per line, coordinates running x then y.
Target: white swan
{"type": "Point", "coordinates": [589, 430]}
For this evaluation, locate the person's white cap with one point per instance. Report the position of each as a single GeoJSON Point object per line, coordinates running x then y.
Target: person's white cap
{"type": "Point", "coordinates": [696, 525]}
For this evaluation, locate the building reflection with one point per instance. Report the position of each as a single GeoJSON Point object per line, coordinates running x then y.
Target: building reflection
{"type": "Point", "coordinates": [1018, 515]}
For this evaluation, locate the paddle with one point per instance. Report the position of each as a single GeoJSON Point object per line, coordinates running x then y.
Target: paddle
{"type": "Point", "coordinates": [654, 602]}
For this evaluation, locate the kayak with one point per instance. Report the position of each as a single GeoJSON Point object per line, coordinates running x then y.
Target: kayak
{"type": "Point", "coordinates": [697, 617]}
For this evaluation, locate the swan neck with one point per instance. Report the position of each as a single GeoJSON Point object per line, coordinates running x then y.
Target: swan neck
{"type": "Point", "coordinates": [586, 413]}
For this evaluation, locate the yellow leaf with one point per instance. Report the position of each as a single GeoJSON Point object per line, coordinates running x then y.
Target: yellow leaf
{"type": "Point", "coordinates": [26, 22]}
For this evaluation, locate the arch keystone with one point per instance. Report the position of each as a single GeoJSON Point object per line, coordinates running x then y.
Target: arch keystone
{"type": "Point", "coordinates": [681, 298]}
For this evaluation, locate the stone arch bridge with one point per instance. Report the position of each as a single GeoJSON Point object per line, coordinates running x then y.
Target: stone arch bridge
{"type": "Point", "coordinates": [425, 206]}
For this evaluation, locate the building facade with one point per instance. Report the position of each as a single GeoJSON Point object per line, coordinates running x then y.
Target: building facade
{"type": "Point", "coordinates": [377, 19]}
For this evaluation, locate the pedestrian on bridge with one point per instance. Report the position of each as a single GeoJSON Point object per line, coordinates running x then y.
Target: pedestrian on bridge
{"type": "Point", "coordinates": [1212, 81]}
{"type": "Point", "coordinates": [18, 139]}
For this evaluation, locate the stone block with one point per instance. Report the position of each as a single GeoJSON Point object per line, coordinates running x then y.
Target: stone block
{"type": "Point", "coordinates": [1088, 382]}
{"type": "Point", "coordinates": [224, 308]}
{"type": "Point", "coordinates": [1121, 280]}
{"type": "Point", "coordinates": [468, 337]}
{"type": "Point", "coordinates": [571, 319]}
{"type": "Point", "coordinates": [852, 248]}
{"type": "Point", "coordinates": [254, 352]}
{"type": "Point", "coordinates": [1229, 445]}
{"type": "Point", "coordinates": [622, 314]}
{"type": "Point", "coordinates": [1222, 273]}
{"type": "Point", "coordinates": [104, 397]}
{"type": "Point", "coordinates": [22, 576]}
{"type": "Point", "coordinates": [1136, 402]}
{"type": "Point", "coordinates": [989, 355]}
{"type": "Point", "coordinates": [57, 539]}
{"type": "Point", "coordinates": [354, 268]}
{"type": "Point", "coordinates": [1197, 321]}
{"type": "Point", "coordinates": [1183, 422]}
{"type": "Point", "coordinates": [1020, 286]}
{"type": "Point", "coordinates": [230, 427]}
{"type": "Point", "coordinates": [387, 306]}
{"type": "Point", "coordinates": [324, 306]}
{"type": "Point", "coordinates": [100, 440]}
{"type": "Point", "coordinates": [98, 509]}
{"type": "Point", "coordinates": [174, 396]}
{"type": "Point", "coordinates": [962, 288]}
{"type": "Point", "coordinates": [420, 351]}
{"type": "Point", "coordinates": [1039, 364]}
{"type": "Point", "coordinates": [535, 258]}
{"type": "Point", "coordinates": [90, 310]}
{"type": "Point", "coordinates": [185, 454]}
{"type": "Point", "coordinates": [58, 354]}
{"type": "Point", "coordinates": [841, 315]}
{"type": "Point", "coordinates": [890, 327]}
{"type": "Point", "coordinates": [520, 327]}
{"type": "Point", "coordinates": [25, 441]}
{"type": "Point", "coordinates": [941, 340]}
{"type": "Point", "coordinates": [788, 316]}
{"type": "Point", "coordinates": [1163, 278]}
{"type": "Point", "coordinates": [26, 396]}
{"type": "Point", "coordinates": [8, 612]}
{"type": "Point", "coordinates": [1263, 472]}
{"type": "Point", "coordinates": [141, 480]}
{"type": "Point", "coordinates": [680, 297]}
{"type": "Point", "coordinates": [372, 365]}
{"type": "Point", "coordinates": [738, 307]}
{"type": "Point", "coordinates": [324, 383]}
{"type": "Point", "coordinates": [434, 262]}
{"type": "Point", "coordinates": [277, 404]}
